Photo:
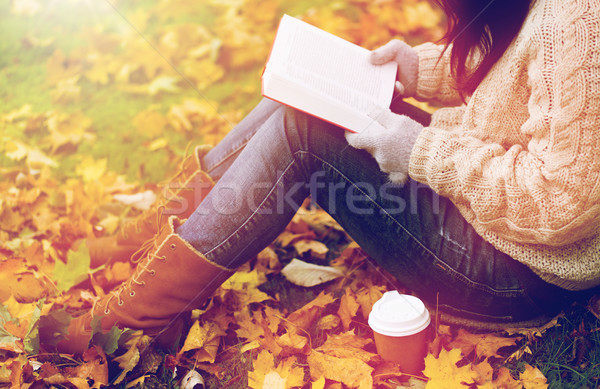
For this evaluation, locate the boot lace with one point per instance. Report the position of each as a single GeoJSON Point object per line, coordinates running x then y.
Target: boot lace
{"type": "Point", "coordinates": [148, 252]}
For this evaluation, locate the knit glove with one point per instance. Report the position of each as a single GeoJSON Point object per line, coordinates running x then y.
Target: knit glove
{"type": "Point", "coordinates": [408, 64]}
{"type": "Point", "coordinates": [389, 139]}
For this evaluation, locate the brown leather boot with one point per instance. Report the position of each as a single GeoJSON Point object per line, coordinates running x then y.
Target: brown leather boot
{"type": "Point", "coordinates": [180, 197]}
{"type": "Point", "coordinates": [173, 277]}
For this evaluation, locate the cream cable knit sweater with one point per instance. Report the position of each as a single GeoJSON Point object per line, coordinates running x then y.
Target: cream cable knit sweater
{"type": "Point", "coordinates": [522, 159]}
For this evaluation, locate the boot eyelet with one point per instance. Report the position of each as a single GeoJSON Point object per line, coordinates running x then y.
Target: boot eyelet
{"type": "Point", "coordinates": [143, 284]}
{"type": "Point", "coordinates": [106, 311]}
{"type": "Point", "coordinates": [173, 246]}
{"type": "Point", "coordinates": [163, 258]}
{"type": "Point", "coordinates": [120, 303]}
{"type": "Point", "coordinates": [132, 293]}
{"type": "Point", "coordinates": [152, 272]}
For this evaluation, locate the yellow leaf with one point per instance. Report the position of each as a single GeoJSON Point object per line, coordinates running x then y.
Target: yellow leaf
{"type": "Point", "coordinates": [205, 71]}
{"type": "Point", "coordinates": [350, 371]}
{"type": "Point", "coordinates": [67, 90]}
{"type": "Point", "coordinates": [192, 112]}
{"type": "Point", "coordinates": [318, 384]}
{"type": "Point", "coordinates": [16, 150]}
{"type": "Point", "coordinates": [444, 374]}
{"type": "Point", "coordinates": [245, 286]}
{"type": "Point", "coordinates": [266, 376]}
{"type": "Point", "coordinates": [250, 346]}
{"type": "Point", "coordinates": [17, 114]}
{"type": "Point", "coordinates": [67, 129]}
{"type": "Point", "coordinates": [533, 378]}
{"type": "Point", "coordinates": [163, 84]}
{"type": "Point", "coordinates": [158, 144]}
{"type": "Point", "coordinates": [205, 339]}
{"type": "Point", "coordinates": [292, 342]}
{"type": "Point", "coordinates": [91, 170]}
{"type": "Point", "coordinates": [18, 310]}
{"type": "Point", "coordinates": [150, 123]}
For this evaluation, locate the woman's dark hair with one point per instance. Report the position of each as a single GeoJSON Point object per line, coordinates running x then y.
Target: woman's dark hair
{"type": "Point", "coordinates": [485, 25]}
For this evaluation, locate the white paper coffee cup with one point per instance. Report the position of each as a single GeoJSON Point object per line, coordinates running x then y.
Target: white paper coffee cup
{"type": "Point", "coordinates": [400, 327]}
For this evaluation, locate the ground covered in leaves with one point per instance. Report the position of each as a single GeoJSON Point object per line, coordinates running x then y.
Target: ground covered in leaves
{"type": "Point", "coordinates": [100, 101]}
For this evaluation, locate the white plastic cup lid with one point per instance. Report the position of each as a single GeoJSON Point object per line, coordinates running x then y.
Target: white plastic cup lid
{"type": "Point", "coordinates": [397, 314]}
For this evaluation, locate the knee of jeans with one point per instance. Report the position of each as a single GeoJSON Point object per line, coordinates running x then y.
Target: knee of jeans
{"type": "Point", "coordinates": [296, 128]}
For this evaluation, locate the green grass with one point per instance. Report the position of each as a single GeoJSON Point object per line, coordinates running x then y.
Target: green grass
{"type": "Point", "coordinates": [568, 354]}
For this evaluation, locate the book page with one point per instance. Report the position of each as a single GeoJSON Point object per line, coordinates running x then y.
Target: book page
{"type": "Point", "coordinates": [331, 65]}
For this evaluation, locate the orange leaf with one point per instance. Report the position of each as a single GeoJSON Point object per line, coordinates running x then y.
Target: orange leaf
{"type": "Point", "coordinates": [348, 308]}
{"type": "Point", "coordinates": [328, 322]}
{"type": "Point", "coordinates": [505, 380]}
{"type": "Point", "coordinates": [305, 316]}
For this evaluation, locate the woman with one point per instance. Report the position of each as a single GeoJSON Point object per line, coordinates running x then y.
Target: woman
{"type": "Point", "coordinates": [498, 222]}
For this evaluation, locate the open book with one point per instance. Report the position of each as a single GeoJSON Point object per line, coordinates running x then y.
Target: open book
{"type": "Point", "coordinates": [326, 76]}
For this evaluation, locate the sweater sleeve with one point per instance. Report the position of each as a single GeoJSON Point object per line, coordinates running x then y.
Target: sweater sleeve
{"type": "Point", "coordinates": [546, 189]}
{"type": "Point", "coordinates": [434, 79]}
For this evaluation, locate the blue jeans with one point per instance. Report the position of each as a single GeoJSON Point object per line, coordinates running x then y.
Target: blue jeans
{"type": "Point", "coordinates": [276, 157]}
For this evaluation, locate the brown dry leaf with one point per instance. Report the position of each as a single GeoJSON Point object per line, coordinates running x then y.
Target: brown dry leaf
{"type": "Point", "coordinates": [532, 378]}
{"type": "Point", "coordinates": [485, 345]}
{"type": "Point", "coordinates": [128, 361]}
{"type": "Point", "coordinates": [267, 261]}
{"type": "Point", "coordinates": [95, 368]}
{"type": "Point", "coordinates": [347, 345]}
{"type": "Point", "coordinates": [266, 376]}
{"type": "Point", "coordinates": [305, 316]}
{"type": "Point", "coordinates": [316, 249]}
{"type": "Point", "coordinates": [536, 332]}
{"type": "Point", "coordinates": [348, 308]}
{"type": "Point", "coordinates": [287, 237]}
{"type": "Point", "coordinates": [368, 296]}
{"type": "Point", "coordinates": [351, 256]}
{"type": "Point", "coordinates": [443, 372]}
{"type": "Point", "coordinates": [328, 322]}
{"type": "Point", "coordinates": [350, 371]}
{"type": "Point", "coordinates": [273, 318]}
